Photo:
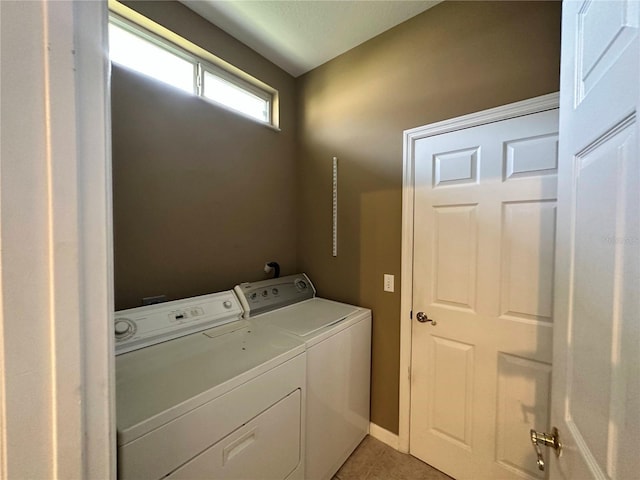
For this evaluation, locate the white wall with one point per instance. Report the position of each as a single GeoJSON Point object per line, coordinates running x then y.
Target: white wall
{"type": "Point", "coordinates": [56, 418]}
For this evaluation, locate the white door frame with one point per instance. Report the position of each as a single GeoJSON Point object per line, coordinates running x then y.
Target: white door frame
{"type": "Point", "coordinates": [57, 407]}
{"type": "Point", "coordinates": [518, 109]}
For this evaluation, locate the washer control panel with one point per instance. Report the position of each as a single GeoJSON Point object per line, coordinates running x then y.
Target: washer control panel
{"type": "Point", "coordinates": [144, 326]}
{"type": "Point", "coordinates": [267, 295]}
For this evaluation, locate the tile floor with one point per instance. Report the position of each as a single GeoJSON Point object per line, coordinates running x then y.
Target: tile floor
{"type": "Point", "coordinates": [374, 460]}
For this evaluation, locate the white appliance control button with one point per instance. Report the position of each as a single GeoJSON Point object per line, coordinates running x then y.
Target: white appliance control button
{"type": "Point", "coordinates": [122, 327]}
{"type": "Point", "coordinates": [227, 304]}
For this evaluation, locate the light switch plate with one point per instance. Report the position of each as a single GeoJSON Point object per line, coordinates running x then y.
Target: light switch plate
{"type": "Point", "coordinates": [388, 283]}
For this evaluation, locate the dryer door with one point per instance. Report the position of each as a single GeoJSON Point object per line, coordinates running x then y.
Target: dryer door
{"type": "Point", "coordinates": [267, 447]}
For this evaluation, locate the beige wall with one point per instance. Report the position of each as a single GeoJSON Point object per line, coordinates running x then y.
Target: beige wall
{"type": "Point", "coordinates": [202, 197]}
{"type": "Point", "coordinates": [456, 58]}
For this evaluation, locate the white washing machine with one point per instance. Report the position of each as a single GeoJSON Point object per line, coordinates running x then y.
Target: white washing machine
{"type": "Point", "coordinates": [338, 341]}
{"type": "Point", "coordinates": [202, 393]}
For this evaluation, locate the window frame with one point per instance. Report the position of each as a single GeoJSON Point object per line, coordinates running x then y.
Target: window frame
{"type": "Point", "coordinates": [220, 69]}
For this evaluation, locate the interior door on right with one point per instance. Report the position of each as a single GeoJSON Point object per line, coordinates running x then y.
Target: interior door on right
{"type": "Point", "coordinates": [596, 371]}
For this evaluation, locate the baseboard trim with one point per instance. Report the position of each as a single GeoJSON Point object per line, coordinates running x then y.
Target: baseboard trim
{"type": "Point", "coordinates": [384, 435]}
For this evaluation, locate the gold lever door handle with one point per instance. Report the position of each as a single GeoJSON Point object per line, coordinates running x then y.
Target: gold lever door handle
{"type": "Point", "coordinates": [544, 439]}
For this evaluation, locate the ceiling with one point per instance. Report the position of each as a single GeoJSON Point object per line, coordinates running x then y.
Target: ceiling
{"type": "Point", "coordinates": [299, 35]}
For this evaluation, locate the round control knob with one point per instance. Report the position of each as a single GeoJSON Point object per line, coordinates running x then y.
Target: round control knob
{"type": "Point", "coordinates": [265, 293]}
{"type": "Point", "coordinates": [122, 327]}
{"type": "Point", "coordinates": [227, 304]}
{"type": "Point", "coordinates": [301, 285]}
{"type": "Point", "coordinates": [274, 291]}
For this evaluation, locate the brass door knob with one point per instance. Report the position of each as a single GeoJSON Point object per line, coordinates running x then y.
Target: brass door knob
{"type": "Point", "coordinates": [542, 439]}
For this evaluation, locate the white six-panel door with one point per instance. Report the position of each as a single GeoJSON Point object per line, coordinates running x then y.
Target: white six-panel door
{"type": "Point", "coordinates": [483, 267]}
{"type": "Point", "coordinates": [596, 388]}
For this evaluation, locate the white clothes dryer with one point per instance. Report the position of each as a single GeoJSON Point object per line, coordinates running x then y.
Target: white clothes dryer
{"type": "Point", "coordinates": [338, 342]}
{"type": "Point", "coordinates": [203, 393]}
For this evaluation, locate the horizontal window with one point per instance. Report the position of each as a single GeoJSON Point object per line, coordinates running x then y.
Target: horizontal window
{"type": "Point", "coordinates": [230, 94]}
{"type": "Point", "coordinates": [138, 49]}
{"type": "Point", "coordinates": [139, 54]}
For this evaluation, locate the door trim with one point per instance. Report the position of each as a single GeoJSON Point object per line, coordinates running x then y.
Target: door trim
{"type": "Point", "coordinates": [56, 356]}
{"type": "Point", "coordinates": [505, 112]}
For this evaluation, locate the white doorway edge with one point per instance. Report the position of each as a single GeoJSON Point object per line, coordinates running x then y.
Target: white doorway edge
{"type": "Point", "coordinates": [56, 295]}
{"type": "Point", "coordinates": [512, 110]}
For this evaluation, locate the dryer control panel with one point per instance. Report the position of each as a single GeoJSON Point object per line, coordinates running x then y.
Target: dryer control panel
{"type": "Point", "coordinates": [144, 326]}
{"type": "Point", "coordinates": [266, 295]}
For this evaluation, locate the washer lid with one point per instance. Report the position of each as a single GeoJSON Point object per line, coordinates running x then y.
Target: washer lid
{"type": "Point", "coordinates": [308, 317]}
